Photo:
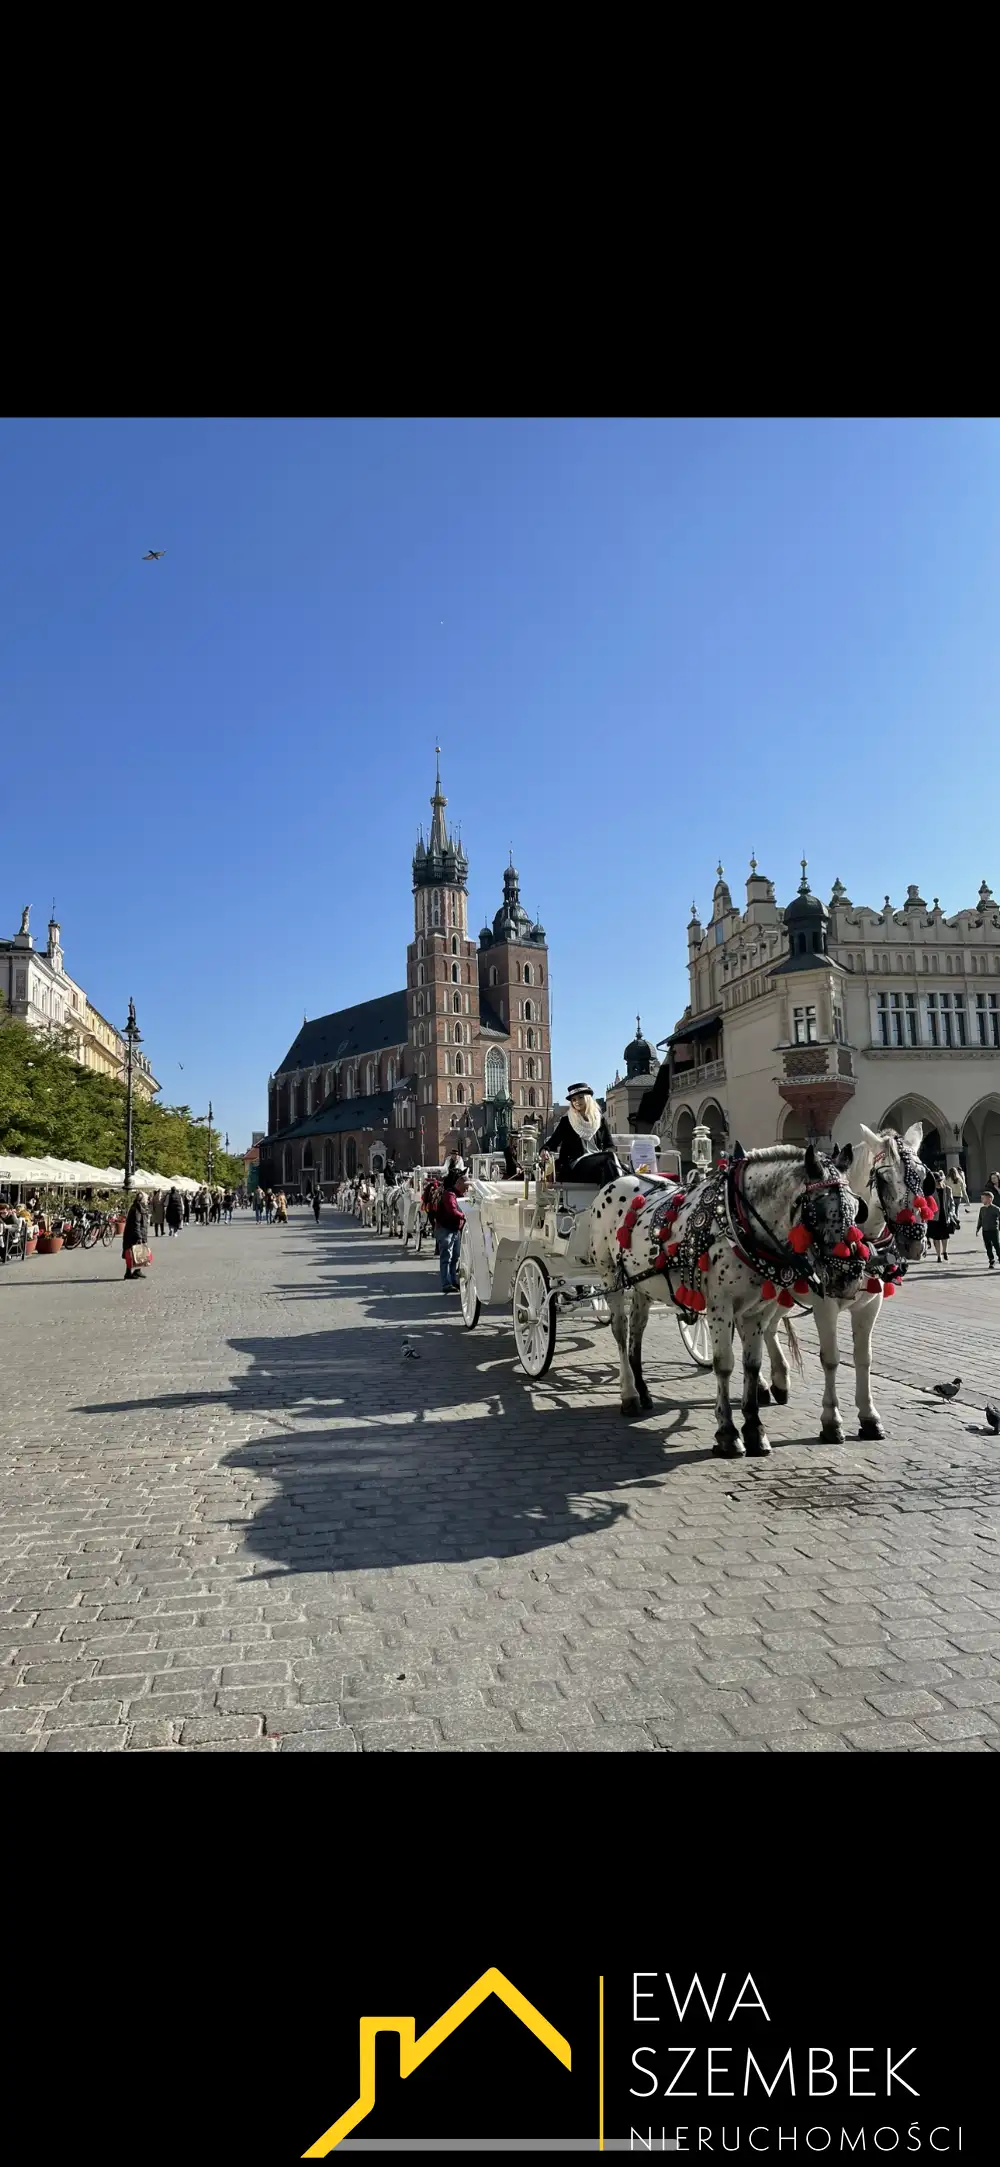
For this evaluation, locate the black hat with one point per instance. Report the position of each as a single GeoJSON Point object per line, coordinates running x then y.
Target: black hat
{"type": "Point", "coordinates": [577, 1091]}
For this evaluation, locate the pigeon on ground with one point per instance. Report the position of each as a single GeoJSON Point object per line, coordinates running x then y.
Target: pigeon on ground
{"type": "Point", "coordinates": [993, 1415]}
{"type": "Point", "coordinates": [948, 1391]}
{"type": "Point", "coordinates": [153, 556]}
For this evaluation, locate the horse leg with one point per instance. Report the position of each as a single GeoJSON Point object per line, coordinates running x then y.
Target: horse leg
{"type": "Point", "coordinates": [618, 1305]}
{"type": "Point", "coordinates": [639, 1321]}
{"type": "Point", "coordinates": [826, 1314]}
{"type": "Point", "coordinates": [864, 1316]}
{"type": "Point", "coordinates": [755, 1439]}
{"type": "Point", "coordinates": [728, 1444]}
{"type": "Point", "coordinates": [779, 1367]}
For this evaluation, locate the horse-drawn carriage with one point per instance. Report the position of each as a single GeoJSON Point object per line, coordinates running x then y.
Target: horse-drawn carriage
{"type": "Point", "coordinates": [526, 1247]}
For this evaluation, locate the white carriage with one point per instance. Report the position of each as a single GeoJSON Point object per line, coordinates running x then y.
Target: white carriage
{"type": "Point", "coordinates": [525, 1244]}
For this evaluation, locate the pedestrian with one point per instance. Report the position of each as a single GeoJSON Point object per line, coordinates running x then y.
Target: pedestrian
{"type": "Point", "coordinates": [175, 1212]}
{"type": "Point", "coordinates": [136, 1237]}
{"type": "Point", "coordinates": [281, 1209]}
{"type": "Point", "coordinates": [988, 1225]}
{"type": "Point", "coordinates": [187, 1207]}
{"type": "Point", "coordinates": [227, 1207]}
{"type": "Point", "coordinates": [268, 1205]}
{"type": "Point", "coordinates": [159, 1211]}
{"type": "Point", "coordinates": [450, 1221]}
{"type": "Point", "coordinates": [956, 1183]}
{"type": "Point", "coordinates": [258, 1206]}
{"type": "Point", "coordinates": [947, 1217]}
{"type": "Point", "coordinates": [995, 1186]}
{"type": "Point", "coordinates": [316, 1204]}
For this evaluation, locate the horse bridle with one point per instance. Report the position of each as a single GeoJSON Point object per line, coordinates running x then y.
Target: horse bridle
{"type": "Point", "coordinates": [804, 1210]}
{"type": "Point", "coordinates": [913, 1172]}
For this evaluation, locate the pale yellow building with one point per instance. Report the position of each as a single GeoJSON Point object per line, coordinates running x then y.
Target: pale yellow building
{"type": "Point", "coordinates": [812, 1019]}
{"type": "Point", "coordinates": [37, 987]}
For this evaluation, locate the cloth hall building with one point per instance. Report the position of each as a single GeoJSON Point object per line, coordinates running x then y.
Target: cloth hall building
{"type": "Point", "coordinates": [457, 1059]}
{"type": "Point", "coordinates": [809, 1019]}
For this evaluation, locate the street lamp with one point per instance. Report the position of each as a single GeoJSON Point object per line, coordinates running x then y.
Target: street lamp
{"type": "Point", "coordinates": [133, 1038]}
{"type": "Point", "coordinates": [211, 1160]}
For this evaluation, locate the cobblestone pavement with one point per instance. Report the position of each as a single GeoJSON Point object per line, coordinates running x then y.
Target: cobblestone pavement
{"type": "Point", "coordinates": [236, 1519]}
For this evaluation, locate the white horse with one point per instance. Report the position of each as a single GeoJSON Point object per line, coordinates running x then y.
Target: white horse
{"type": "Point", "coordinates": [888, 1168]}
{"type": "Point", "coordinates": [777, 1227]}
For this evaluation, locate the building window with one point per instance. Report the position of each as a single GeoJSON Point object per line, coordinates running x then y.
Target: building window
{"type": "Point", "coordinates": [390, 1074]}
{"type": "Point", "coordinates": [493, 974]}
{"type": "Point", "coordinates": [422, 1065]}
{"type": "Point", "coordinates": [527, 974]}
{"type": "Point", "coordinates": [530, 1070]}
{"type": "Point", "coordinates": [352, 1156]}
{"type": "Point", "coordinates": [458, 1034]}
{"type": "Point", "coordinates": [350, 1083]}
{"type": "Point", "coordinates": [459, 1065]}
{"type": "Point", "coordinates": [436, 907]}
{"type": "Point", "coordinates": [454, 974]}
{"type": "Point", "coordinates": [529, 1038]}
{"type": "Point", "coordinates": [804, 1020]}
{"type": "Point", "coordinates": [961, 1021]}
{"type": "Point", "coordinates": [883, 1018]}
{"type": "Point", "coordinates": [456, 1002]}
{"type": "Point", "coordinates": [420, 1034]}
{"type": "Point", "coordinates": [933, 1019]}
{"type": "Point", "coordinates": [459, 1095]}
{"type": "Point", "coordinates": [454, 945]}
{"type": "Point", "coordinates": [528, 1011]}
{"type": "Point", "coordinates": [531, 1098]}
{"type": "Point", "coordinates": [496, 1073]}
{"type": "Point", "coordinates": [371, 1081]}
{"type": "Point", "coordinates": [912, 1021]}
{"type": "Point", "coordinates": [988, 1019]}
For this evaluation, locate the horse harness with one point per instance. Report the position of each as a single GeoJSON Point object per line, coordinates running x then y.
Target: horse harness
{"type": "Point", "coordinates": [723, 1210]}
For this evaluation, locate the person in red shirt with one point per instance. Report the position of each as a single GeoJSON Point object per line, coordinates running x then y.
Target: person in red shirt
{"type": "Point", "coordinates": [450, 1221]}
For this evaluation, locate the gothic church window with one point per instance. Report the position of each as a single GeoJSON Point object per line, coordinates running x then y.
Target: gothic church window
{"type": "Point", "coordinates": [350, 1083]}
{"type": "Point", "coordinates": [493, 974]}
{"type": "Point", "coordinates": [390, 1074]}
{"type": "Point", "coordinates": [370, 1079]}
{"type": "Point", "coordinates": [460, 1095]}
{"type": "Point", "coordinates": [496, 1073]}
{"type": "Point", "coordinates": [531, 1098]}
{"type": "Point", "coordinates": [422, 1065]}
{"type": "Point", "coordinates": [529, 1038]}
{"type": "Point", "coordinates": [527, 974]}
{"type": "Point", "coordinates": [454, 974]}
{"type": "Point", "coordinates": [459, 1065]}
{"type": "Point", "coordinates": [458, 1034]}
{"type": "Point", "coordinates": [528, 1011]}
{"type": "Point", "coordinates": [454, 946]}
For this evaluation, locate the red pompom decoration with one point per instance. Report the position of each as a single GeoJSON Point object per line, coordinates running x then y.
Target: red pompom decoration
{"type": "Point", "coordinates": [703, 1261]}
{"type": "Point", "coordinates": [800, 1240]}
{"type": "Point", "coordinates": [906, 1218]}
{"type": "Point", "coordinates": [863, 1251]}
{"type": "Point", "coordinates": [697, 1301]}
{"type": "Point", "coordinates": [661, 1263]}
{"type": "Point", "coordinates": [841, 1249]}
{"type": "Point", "coordinates": [854, 1234]}
{"type": "Point", "coordinates": [672, 1248]}
{"type": "Point", "coordinates": [888, 1289]}
{"type": "Point", "coordinates": [786, 1300]}
{"type": "Point", "coordinates": [872, 1286]}
{"type": "Point", "coordinates": [768, 1290]}
{"type": "Point", "coordinates": [801, 1286]}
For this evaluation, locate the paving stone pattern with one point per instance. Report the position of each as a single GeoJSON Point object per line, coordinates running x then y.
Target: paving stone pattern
{"type": "Point", "coordinates": [239, 1519]}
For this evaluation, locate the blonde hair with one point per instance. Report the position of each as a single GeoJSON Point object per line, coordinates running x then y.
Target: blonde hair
{"type": "Point", "coordinates": [590, 1111]}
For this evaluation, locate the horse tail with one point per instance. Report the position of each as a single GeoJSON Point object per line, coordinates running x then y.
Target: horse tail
{"type": "Point", "coordinates": [794, 1345]}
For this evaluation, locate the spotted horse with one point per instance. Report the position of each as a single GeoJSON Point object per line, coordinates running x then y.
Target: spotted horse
{"type": "Point", "coordinates": [695, 1252]}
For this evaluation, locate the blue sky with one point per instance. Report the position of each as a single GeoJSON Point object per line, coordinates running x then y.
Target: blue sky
{"type": "Point", "coordinates": [643, 644]}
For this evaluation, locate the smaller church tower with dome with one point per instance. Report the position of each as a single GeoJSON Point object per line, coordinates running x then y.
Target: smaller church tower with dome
{"type": "Point", "coordinates": [624, 1097]}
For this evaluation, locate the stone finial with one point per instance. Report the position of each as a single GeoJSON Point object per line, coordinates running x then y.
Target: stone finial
{"type": "Point", "coordinates": [720, 870]}
{"type": "Point", "coordinates": [803, 884]}
{"type": "Point", "coordinates": [753, 865]}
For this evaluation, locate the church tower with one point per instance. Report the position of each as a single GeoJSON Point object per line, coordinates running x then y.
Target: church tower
{"type": "Point", "coordinates": [514, 990]}
{"type": "Point", "coordinates": [442, 993]}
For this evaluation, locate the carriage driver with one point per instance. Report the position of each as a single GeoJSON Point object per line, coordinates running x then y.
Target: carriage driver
{"type": "Point", "coordinates": [582, 1141]}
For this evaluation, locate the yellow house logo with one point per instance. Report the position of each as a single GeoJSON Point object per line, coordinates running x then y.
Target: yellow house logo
{"type": "Point", "coordinates": [413, 2051]}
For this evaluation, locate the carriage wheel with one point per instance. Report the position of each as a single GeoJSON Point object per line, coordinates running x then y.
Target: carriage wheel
{"type": "Point", "coordinates": [471, 1305]}
{"type": "Point", "coordinates": [534, 1318]}
{"type": "Point", "coordinates": [697, 1339]}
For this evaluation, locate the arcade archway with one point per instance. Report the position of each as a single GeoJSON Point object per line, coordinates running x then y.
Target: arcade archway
{"type": "Point", "coordinates": [904, 1112]}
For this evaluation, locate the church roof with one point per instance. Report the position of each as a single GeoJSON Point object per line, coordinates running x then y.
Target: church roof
{"type": "Point", "coordinates": [489, 1020]}
{"type": "Point", "coordinates": [365, 1028]}
{"type": "Point", "coordinates": [339, 1115]}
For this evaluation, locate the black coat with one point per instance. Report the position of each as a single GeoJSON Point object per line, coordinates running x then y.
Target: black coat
{"type": "Point", "coordinates": [136, 1225]}
{"type": "Point", "coordinates": [175, 1209]}
{"type": "Point", "coordinates": [569, 1147]}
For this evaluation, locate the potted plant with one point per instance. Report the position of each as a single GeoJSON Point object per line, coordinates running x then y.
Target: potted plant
{"type": "Point", "coordinates": [49, 1244]}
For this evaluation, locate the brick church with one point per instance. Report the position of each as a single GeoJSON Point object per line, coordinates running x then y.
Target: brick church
{"type": "Point", "coordinates": [458, 1059]}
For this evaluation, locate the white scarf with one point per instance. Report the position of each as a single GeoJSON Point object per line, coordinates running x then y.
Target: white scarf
{"type": "Point", "coordinates": [586, 1126]}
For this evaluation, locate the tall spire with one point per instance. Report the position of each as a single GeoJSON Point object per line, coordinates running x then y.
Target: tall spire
{"type": "Point", "coordinates": [439, 832]}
